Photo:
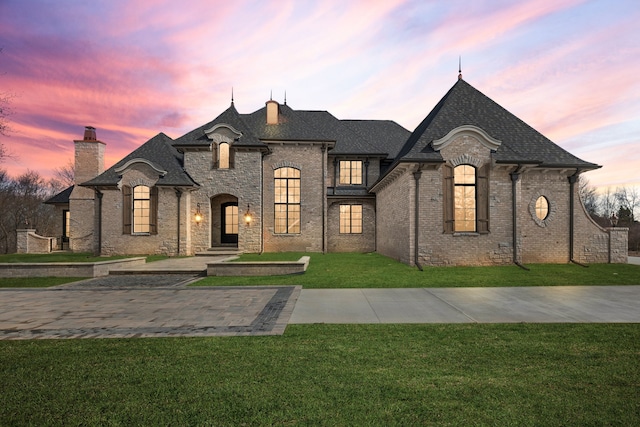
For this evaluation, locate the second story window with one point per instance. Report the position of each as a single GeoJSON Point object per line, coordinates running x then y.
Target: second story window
{"type": "Point", "coordinates": [351, 172]}
{"type": "Point", "coordinates": [223, 155]}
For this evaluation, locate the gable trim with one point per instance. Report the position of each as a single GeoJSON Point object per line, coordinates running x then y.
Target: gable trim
{"type": "Point", "coordinates": [131, 162]}
{"type": "Point", "coordinates": [217, 137]}
{"type": "Point", "coordinates": [467, 131]}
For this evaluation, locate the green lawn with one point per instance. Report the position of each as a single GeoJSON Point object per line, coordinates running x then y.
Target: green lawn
{"type": "Point", "coordinates": [371, 270]}
{"type": "Point", "coordinates": [458, 375]}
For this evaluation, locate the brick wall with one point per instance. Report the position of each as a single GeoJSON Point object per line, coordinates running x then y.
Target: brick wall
{"type": "Point", "coordinates": [309, 159]}
{"type": "Point", "coordinates": [394, 218]}
{"type": "Point", "coordinates": [360, 242]}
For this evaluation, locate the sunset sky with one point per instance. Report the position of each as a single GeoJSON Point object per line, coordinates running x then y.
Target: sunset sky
{"type": "Point", "coordinates": [134, 68]}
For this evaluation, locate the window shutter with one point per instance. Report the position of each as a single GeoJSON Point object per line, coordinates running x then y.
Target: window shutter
{"type": "Point", "coordinates": [214, 153]}
{"type": "Point", "coordinates": [232, 156]}
{"type": "Point", "coordinates": [153, 210]}
{"type": "Point", "coordinates": [482, 209]}
{"type": "Point", "coordinates": [126, 209]}
{"type": "Point", "coordinates": [447, 199]}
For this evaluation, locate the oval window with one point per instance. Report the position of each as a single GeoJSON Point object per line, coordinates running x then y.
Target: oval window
{"type": "Point", "coordinates": [542, 208]}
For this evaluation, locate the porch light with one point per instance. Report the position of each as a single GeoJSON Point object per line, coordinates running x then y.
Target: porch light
{"type": "Point", "coordinates": [198, 216]}
{"type": "Point", "coordinates": [613, 219]}
{"type": "Point", "coordinates": [247, 216]}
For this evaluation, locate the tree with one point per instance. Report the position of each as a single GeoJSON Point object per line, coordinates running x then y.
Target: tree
{"type": "Point", "coordinates": [5, 112]}
{"type": "Point", "coordinates": [64, 176]}
{"type": "Point", "coordinates": [628, 198]}
{"type": "Point", "coordinates": [21, 200]}
{"type": "Point", "coordinates": [588, 195]}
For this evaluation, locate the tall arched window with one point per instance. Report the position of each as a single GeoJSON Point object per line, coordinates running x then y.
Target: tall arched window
{"type": "Point", "coordinates": [464, 181]}
{"type": "Point", "coordinates": [287, 200]}
{"type": "Point", "coordinates": [141, 209]}
{"type": "Point", "coordinates": [223, 153]}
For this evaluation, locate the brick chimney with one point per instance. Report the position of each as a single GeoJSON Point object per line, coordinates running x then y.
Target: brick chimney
{"type": "Point", "coordinates": [89, 156]}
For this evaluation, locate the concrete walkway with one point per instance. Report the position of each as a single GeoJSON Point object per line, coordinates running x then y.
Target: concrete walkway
{"type": "Point", "coordinates": [561, 304]}
{"type": "Point", "coordinates": [196, 265]}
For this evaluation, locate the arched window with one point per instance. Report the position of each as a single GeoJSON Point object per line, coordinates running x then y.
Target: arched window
{"type": "Point", "coordinates": [223, 152]}
{"type": "Point", "coordinates": [466, 199]}
{"type": "Point", "coordinates": [141, 206]}
{"type": "Point", "coordinates": [287, 200]}
{"type": "Point", "coordinates": [139, 210]}
{"type": "Point", "coordinates": [464, 181]}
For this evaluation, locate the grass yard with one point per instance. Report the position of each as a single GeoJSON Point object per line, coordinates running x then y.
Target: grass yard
{"type": "Point", "coordinates": [371, 270]}
{"type": "Point", "coordinates": [522, 374]}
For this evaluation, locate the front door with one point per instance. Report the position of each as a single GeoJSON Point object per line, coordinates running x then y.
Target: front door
{"type": "Point", "coordinates": [229, 222]}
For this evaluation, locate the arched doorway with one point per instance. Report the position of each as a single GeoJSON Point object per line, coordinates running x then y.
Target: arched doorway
{"type": "Point", "coordinates": [224, 220]}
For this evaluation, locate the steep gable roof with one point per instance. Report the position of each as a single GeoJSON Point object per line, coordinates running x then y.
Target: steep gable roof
{"type": "Point", "coordinates": [465, 105]}
{"type": "Point", "coordinates": [230, 116]}
{"type": "Point", "coordinates": [159, 152]}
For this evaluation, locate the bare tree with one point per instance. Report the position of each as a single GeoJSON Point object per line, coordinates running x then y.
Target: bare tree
{"type": "Point", "coordinates": [628, 198]}
{"type": "Point", "coordinates": [21, 200]}
{"type": "Point", "coordinates": [5, 112]}
{"type": "Point", "coordinates": [588, 195]}
{"type": "Point", "coordinates": [64, 177]}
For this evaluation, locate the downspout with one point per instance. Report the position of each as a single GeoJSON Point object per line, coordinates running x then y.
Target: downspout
{"type": "Point", "coordinates": [515, 176]}
{"type": "Point", "coordinates": [99, 196]}
{"type": "Point", "coordinates": [572, 183]}
{"type": "Point", "coordinates": [179, 197]}
{"type": "Point", "coordinates": [324, 198]}
{"type": "Point", "coordinates": [416, 176]}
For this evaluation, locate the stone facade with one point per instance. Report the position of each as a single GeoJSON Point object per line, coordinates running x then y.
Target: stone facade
{"type": "Point", "coordinates": [405, 189]}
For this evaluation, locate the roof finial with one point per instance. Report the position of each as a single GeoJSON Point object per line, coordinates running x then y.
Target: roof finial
{"type": "Point", "coordinates": [285, 97]}
{"type": "Point", "coordinates": [231, 95]}
{"type": "Point", "coordinates": [271, 95]}
{"type": "Point", "coordinates": [460, 67]}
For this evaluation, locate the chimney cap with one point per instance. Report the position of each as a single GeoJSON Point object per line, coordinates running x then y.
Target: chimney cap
{"type": "Point", "coordinates": [90, 133]}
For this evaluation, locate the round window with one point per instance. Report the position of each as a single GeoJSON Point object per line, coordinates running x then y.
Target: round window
{"type": "Point", "coordinates": [542, 208]}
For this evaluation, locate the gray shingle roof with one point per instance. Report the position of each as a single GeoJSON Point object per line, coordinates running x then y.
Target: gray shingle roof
{"type": "Point", "coordinates": [158, 151]}
{"type": "Point", "coordinates": [465, 105]}
{"type": "Point", "coordinates": [230, 117]}
{"type": "Point", "coordinates": [60, 198]}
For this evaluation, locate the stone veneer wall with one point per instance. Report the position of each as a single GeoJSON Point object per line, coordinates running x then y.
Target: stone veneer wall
{"type": "Point", "coordinates": [243, 181]}
{"type": "Point", "coordinates": [309, 159]}
{"type": "Point", "coordinates": [114, 241]}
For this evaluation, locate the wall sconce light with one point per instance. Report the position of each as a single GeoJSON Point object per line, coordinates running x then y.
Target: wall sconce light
{"type": "Point", "coordinates": [247, 216]}
{"type": "Point", "coordinates": [198, 216]}
{"type": "Point", "coordinates": [614, 219]}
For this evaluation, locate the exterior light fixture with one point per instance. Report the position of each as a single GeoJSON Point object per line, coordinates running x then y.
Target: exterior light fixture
{"type": "Point", "coordinates": [198, 216]}
{"type": "Point", "coordinates": [247, 216]}
{"type": "Point", "coordinates": [613, 219]}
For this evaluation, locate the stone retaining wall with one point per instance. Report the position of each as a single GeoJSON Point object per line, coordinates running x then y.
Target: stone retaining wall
{"type": "Point", "coordinates": [66, 269]}
{"type": "Point", "coordinates": [257, 268]}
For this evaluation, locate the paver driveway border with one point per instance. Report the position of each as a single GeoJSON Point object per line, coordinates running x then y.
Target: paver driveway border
{"type": "Point", "coordinates": [160, 312]}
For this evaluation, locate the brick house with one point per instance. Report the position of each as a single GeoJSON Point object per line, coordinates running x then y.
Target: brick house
{"type": "Point", "coordinates": [472, 185]}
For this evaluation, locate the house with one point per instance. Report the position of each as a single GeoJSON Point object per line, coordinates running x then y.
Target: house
{"type": "Point", "coordinates": [471, 185]}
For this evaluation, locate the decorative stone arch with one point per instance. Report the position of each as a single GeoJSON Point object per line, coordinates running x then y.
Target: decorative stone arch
{"type": "Point", "coordinates": [156, 168]}
{"type": "Point", "coordinates": [466, 159]}
{"type": "Point", "coordinates": [223, 134]}
{"type": "Point", "coordinates": [467, 132]}
{"type": "Point", "coordinates": [552, 208]}
{"type": "Point", "coordinates": [286, 164]}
